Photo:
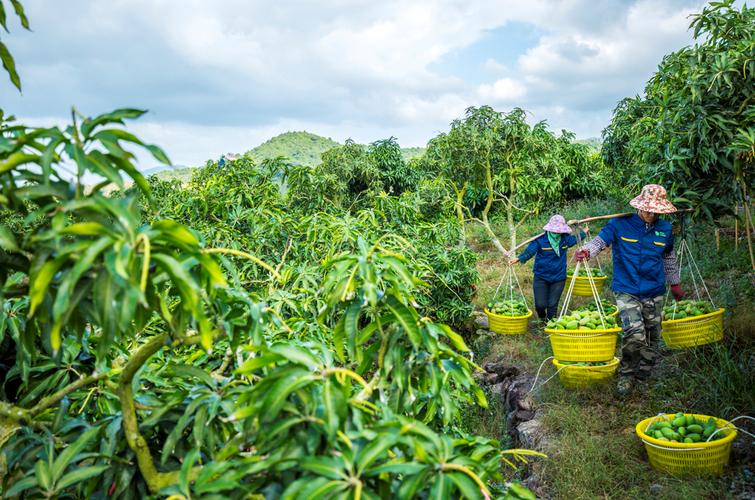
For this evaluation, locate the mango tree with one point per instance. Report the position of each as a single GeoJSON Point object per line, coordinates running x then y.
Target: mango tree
{"type": "Point", "coordinates": [693, 130]}
{"type": "Point", "coordinates": [520, 166]}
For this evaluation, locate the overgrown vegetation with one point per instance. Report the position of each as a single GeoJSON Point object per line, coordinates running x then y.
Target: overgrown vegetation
{"type": "Point", "coordinates": [296, 327]}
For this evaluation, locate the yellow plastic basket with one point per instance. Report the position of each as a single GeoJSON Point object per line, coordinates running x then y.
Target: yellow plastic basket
{"type": "Point", "coordinates": [583, 345]}
{"type": "Point", "coordinates": [688, 458]}
{"type": "Point", "coordinates": [508, 325]}
{"type": "Point", "coordinates": [577, 377]}
{"type": "Point", "coordinates": [694, 331]}
{"type": "Point", "coordinates": [582, 285]}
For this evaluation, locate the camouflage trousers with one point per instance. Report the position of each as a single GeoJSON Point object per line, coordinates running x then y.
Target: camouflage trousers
{"type": "Point", "coordinates": [641, 322]}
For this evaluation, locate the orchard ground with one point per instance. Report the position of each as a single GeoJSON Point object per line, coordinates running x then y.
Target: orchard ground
{"type": "Point", "coordinates": [594, 452]}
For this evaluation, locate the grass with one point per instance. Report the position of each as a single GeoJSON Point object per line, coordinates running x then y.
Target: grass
{"type": "Point", "coordinates": [594, 451]}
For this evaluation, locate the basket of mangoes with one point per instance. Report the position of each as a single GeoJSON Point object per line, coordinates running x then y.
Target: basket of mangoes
{"type": "Point", "coordinates": [583, 336]}
{"type": "Point", "coordinates": [582, 281]}
{"type": "Point", "coordinates": [690, 323]}
{"type": "Point", "coordinates": [508, 317]}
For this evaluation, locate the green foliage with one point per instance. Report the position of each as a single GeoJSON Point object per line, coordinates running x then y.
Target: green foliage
{"type": "Point", "coordinates": [693, 130]}
{"type": "Point", "coordinates": [490, 156]}
{"type": "Point", "coordinates": [326, 369]}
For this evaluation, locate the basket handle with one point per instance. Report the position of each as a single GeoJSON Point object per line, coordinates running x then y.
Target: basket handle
{"type": "Point", "coordinates": [668, 447]}
{"type": "Point", "coordinates": [534, 383]}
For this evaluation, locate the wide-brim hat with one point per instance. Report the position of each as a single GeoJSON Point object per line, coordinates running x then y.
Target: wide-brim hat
{"type": "Point", "coordinates": [557, 224]}
{"type": "Point", "coordinates": [653, 199]}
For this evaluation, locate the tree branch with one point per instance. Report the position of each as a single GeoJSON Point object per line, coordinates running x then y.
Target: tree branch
{"type": "Point", "coordinates": [155, 480]}
{"type": "Point", "coordinates": [45, 403]}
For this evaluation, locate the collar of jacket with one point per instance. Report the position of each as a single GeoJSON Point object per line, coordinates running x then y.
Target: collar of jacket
{"type": "Point", "coordinates": [637, 222]}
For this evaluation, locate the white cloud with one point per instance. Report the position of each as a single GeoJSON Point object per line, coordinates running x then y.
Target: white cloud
{"type": "Point", "coordinates": [224, 76]}
{"type": "Point", "coordinates": [505, 90]}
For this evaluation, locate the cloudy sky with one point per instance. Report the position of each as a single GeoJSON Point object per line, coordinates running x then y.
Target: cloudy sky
{"type": "Point", "coordinates": [223, 76]}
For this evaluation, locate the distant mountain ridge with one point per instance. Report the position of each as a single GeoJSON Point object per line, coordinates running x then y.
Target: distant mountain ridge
{"type": "Point", "coordinates": [304, 148]}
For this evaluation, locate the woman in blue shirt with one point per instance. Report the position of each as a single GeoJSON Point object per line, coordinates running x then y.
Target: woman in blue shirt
{"type": "Point", "coordinates": [550, 264]}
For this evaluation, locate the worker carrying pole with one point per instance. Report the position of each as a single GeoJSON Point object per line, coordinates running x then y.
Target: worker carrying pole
{"type": "Point", "coordinates": [643, 261]}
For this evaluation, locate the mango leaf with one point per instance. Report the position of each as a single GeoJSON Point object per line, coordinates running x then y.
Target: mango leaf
{"type": "Point", "coordinates": [330, 408]}
{"type": "Point", "coordinates": [116, 116]}
{"type": "Point", "coordinates": [456, 340]}
{"type": "Point", "coordinates": [442, 486]}
{"type": "Point", "coordinates": [279, 392]}
{"type": "Point", "coordinates": [184, 282]}
{"type": "Point", "coordinates": [80, 475]}
{"type": "Point", "coordinates": [19, 9]}
{"type": "Point", "coordinates": [183, 476]}
{"type": "Point", "coordinates": [88, 229]}
{"type": "Point", "coordinates": [17, 158]}
{"type": "Point", "coordinates": [10, 66]}
{"type": "Point", "coordinates": [44, 478]}
{"type": "Point", "coordinates": [67, 456]}
{"type": "Point", "coordinates": [8, 240]}
{"type": "Point", "coordinates": [411, 484]}
{"type": "Point", "coordinates": [329, 467]}
{"type": "Point", "coordinates": [466, 485]}
{"type": "Point", "coordinates": [374, 450]}
{"type": "Point", "coordinates": [296, 354]}
{"type": "Point", "coordinates": [406, 319]}
{"type": "Point", "coordinates": [257, 362]}
{"type": "Point", "coordinates": [176, 234]}
{"type": "Point", "coordinates": [20, 486]}
{"type": "Point", "coordinates": [318, 487]}
{"type": "Point", "coordinates": [40, 282]}
{"type": "Point", "coordinates": [65, 292]}
{"type": "Point", "coordinates": [403, 468]}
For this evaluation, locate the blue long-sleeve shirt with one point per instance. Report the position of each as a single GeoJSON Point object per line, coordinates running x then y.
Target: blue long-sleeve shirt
{"type": "Point", "coordinates": [548, 265]}
{"type": "Point", "coordinates": [643, 255]}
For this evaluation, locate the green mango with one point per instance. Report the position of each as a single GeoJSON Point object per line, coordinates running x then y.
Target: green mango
{"type": "Point", "coordinates": [695, 428]}
{"type": "Point", "coordinates": [694, 437]}
{"type": "Point", "coordinates": [572, 325]}
{"type": "Point", "coordinates": [669, 433]}
{"type": "Point", "coordinates": [679, 421]}
{"type": "Point", "coordinates": [690, 420]}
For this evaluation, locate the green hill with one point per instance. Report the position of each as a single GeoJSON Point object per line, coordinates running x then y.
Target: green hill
{"type": "Point", "coordinates": [300, 147]}
{"type": "Point", "coordinates": [303, 148]}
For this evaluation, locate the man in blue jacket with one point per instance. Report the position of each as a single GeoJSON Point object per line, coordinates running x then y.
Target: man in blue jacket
{"type": "Point", "coordinates": [643, 261]}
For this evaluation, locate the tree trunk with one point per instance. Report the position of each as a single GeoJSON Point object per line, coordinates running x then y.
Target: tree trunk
{"type": "Point", "coordinates": [510, 215]}
{"type": "Point", "coordinates": [486, 210]}
{"type": "Point", "coordinates": [460, 208]}
{"type": "Point", "coordinates": [748, 225]}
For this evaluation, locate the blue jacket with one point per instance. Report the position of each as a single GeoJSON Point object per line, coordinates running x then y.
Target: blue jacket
{"type": "Point", "coordinates": [548, 265]}
{"type": "Point", "coordinates": [638, 252]}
